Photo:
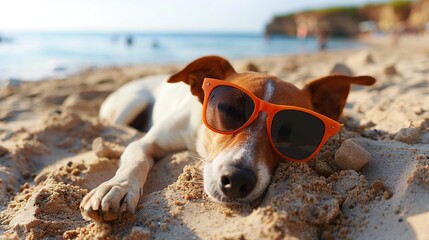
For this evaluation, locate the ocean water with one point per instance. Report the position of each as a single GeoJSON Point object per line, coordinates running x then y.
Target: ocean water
{"type": "Point", "coordinates": [34, 56]}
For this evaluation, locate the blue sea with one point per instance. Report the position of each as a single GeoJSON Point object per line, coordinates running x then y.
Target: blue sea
{"type": "Point", "coordinates": [34, 56]}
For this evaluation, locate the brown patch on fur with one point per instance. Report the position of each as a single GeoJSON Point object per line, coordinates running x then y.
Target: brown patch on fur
{"type": "Point", "coordinates": [284, 93]}
{"type": "Point", "coordinates": [329, 94]}
{"type": "Point", "coordinates": [205, 67]}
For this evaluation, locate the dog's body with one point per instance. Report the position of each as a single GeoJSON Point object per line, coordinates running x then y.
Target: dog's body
{"type": "Point", "coordinates": [173, 104]}
{"type": "Point", "coordinates": [246, 158]}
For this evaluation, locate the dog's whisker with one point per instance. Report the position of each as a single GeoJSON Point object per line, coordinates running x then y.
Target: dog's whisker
{"type": "Point", "coordinates": [218, 196]}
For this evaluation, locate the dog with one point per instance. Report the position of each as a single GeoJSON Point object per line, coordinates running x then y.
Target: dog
{"type": "Point", "coordinates": [239, 158]}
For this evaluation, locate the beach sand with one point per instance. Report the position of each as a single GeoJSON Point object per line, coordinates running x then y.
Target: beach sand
{"type": "Point", "coordinates": [53, 150]}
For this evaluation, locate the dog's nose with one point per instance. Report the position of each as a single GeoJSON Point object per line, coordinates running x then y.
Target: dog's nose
{"type": "Point", "coordinates": [237, 182]}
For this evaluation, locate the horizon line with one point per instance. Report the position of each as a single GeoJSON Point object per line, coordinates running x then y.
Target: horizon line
{"type": "Point", "coordinates": [160, 32]}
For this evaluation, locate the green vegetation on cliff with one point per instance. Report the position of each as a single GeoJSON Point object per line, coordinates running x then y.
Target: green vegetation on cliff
{"type": "Point", "coordinates": [344, 20]}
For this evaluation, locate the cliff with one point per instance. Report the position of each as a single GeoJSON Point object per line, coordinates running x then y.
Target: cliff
{"type": "Point", "coordinates": [345, 21]}
{"type": "Point", "coordinates": [336, 21]}
{"type": "Point", "coordinates": [419, 17]}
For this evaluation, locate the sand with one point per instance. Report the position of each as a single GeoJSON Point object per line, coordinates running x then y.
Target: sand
{"type": "Point", "coordinates": [53, 150]}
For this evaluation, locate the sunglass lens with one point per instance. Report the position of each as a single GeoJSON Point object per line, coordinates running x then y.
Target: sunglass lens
{"type": "Point", "coordinates": [228, 108]}
{"type": "Point", "coordinates": [296, 134]}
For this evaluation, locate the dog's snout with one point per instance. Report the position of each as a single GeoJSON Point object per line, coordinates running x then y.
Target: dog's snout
{"type": "Point", "coordinates": [237, 183]}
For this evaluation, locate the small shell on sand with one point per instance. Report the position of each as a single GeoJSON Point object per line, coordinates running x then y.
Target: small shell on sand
{"type": "Point", "coordinates": [408, 135]}
{"type": "Point", "coordinates": [351, 155]}
{"type": "Point", "coordinates": [3, 151]}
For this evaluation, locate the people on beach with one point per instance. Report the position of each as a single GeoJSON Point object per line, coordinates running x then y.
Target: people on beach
{"type": "Point", "coordinates": [4, 39]}
{"type": "Point", "coordinates": [302, 32]}
{"type": "Point", "coordinates": [155, 43]}
{"type": "Point", "coordinates": [129, 40]}
{"type": "Point", "coordinates": [322, 38]}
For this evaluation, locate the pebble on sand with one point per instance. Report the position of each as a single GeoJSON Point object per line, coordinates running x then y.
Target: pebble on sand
{"type": "Point", "coordinates": [408, 135]}
{"type": "Point", "coordinates": [340, 68]}
{"type": "Point", "coordinates": [326, 235]}
{"type": "Point", "coordinates": [378, 185]}
{"type": "Point", "coordinates": [140, 233]}
{"type": "Point", "coordinates": [390, 70]}
{"type": "Point", "coordinates": [323, 168]}
{"type": "Point", "coordinates": [3, 151]}
{"type": "Point", "coordinates": [351, 155]}
{"type": "Point", "coordinates": [106, 149]}
{"type": "Point", "coordinates": [349, 180]}
{"type": "Point", "coordinates": [251, 67]}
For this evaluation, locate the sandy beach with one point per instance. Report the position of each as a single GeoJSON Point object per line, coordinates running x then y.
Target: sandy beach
{"type": "Point", "coordinates": [53, 150]}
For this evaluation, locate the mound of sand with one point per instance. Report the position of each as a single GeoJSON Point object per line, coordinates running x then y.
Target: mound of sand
{"type": "Point", "coordinates": [53, 151]}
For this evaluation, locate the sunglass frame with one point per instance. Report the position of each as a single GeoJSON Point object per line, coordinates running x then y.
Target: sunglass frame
{"type": "Point", "coordinates": [332, 127]}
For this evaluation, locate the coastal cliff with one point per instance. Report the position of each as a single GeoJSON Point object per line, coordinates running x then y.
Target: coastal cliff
{"type": "Point", "coordinates": [419, 17]}
{"type": "Point", "coordinates": [347, 21]}
{"type": "Point", "coordinates": [337, 21]}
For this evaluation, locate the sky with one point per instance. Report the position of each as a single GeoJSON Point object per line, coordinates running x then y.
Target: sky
{"type": "Point", "coordinates": [151, 15]}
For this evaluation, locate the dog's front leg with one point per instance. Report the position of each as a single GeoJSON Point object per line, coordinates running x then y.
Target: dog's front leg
{"type": "Point", "coordinates": [123, 191]}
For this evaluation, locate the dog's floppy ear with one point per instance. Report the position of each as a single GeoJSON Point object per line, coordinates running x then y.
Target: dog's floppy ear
{"type": "Point", "coordinates": [196, 71]}
{"type": "Point", "coordinates": [329, 94]}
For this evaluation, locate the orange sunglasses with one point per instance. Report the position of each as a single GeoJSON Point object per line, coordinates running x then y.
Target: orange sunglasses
{"type": "Point", "coordinates": [296, 134]}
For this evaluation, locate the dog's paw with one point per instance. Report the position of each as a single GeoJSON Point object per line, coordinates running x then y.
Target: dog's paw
{"type": "Point", "coordinates": [111, 199]}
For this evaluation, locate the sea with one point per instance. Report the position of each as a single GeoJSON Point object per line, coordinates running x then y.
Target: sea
{"type": "Point", "coordinates": [35, 56]}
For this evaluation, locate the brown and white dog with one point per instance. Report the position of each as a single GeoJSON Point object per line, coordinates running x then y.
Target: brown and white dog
{"type": "Point", "coordinates": [176, 124]}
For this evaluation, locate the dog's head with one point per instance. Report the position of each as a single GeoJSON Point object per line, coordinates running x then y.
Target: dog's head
{"type": "Point", "coordinates": [238, 167]}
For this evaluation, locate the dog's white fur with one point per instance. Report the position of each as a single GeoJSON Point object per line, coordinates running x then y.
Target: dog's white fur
{"type": "Point", "coordinates": [175, 125]}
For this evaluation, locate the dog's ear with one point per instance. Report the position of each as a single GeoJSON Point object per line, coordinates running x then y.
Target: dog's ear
{"type": "Point", "coordinates": [329, 94]}
{"type": "Point", "coordinates": [196, 71]}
